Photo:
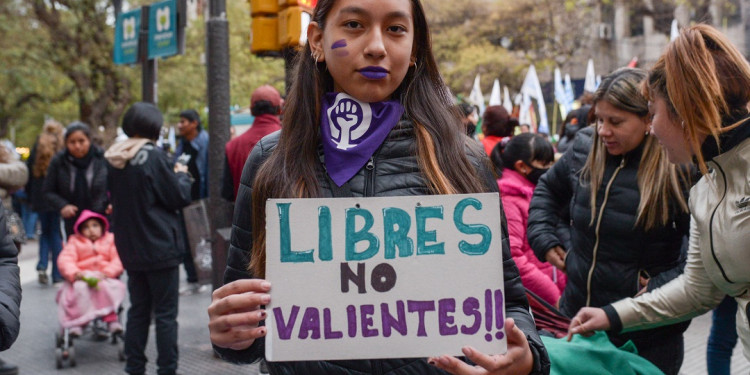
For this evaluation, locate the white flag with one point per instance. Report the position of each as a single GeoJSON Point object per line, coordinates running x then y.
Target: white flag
{"type": "Point", "coordinates": [560, 96]}
{"type": "Point", "coordinates": [533, 89]}
{"type": "Point", "coordinates": [506, 100]}
{"type": "Point", "coordinates": [675, 32]}
{"type": "Point", "coordinates": [589, 84]}
{"type": "Point", "coordinates": [570, 95]}
{"type": "Point", "coordinates": [495, 96]}
{"type": "Point", "coordinates": [476, 97]}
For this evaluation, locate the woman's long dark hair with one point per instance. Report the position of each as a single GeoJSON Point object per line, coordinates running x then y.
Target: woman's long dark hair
{"type": "Point", "coordinates": [290, 171]}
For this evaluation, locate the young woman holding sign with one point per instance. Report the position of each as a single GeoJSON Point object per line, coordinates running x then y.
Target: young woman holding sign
{"type": "Point", "coordinates": [699, 92]}
{"type": "Point", "coordinates": [376, 52]}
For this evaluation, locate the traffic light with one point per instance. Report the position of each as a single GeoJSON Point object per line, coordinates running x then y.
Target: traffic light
{"type": "Point", "coordinates": [294, 17]}
{"type": "Point", "coordinates": [265, 26]}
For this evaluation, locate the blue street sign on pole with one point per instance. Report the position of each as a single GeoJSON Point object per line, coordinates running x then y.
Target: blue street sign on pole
{"type": "Point", "coordinates": [162, 38]}
{"type": "Point", "coordinates": [127, 28]}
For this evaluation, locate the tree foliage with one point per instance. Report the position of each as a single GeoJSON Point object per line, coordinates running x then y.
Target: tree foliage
{"type": "Point", "coordinates": [29, 82]}
{"type": "Point", "coordinates": [81, 45]}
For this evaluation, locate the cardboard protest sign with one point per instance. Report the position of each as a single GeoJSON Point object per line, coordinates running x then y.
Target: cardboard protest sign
{"type": "Point", "coordinates": [395, 277]}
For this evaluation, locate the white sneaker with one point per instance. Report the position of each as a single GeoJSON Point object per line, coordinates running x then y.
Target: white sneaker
{"type": "Point", "coordinates": [191, 288]}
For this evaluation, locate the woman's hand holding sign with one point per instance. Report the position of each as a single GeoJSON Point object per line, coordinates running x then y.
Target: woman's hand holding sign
{"type": "Point", "coordinates": [235, 313]}
{"type": "Point", "coordinates": [517, 360]}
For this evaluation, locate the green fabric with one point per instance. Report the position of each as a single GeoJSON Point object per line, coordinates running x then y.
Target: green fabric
{"type": "Point", "coordinates": [595, 355]}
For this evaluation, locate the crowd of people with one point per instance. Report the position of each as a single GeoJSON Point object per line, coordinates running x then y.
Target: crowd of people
{"type": "Point", "coordinates": [631, 222]}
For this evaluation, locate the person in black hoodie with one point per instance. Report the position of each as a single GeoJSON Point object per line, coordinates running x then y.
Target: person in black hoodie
{"type": "Point", "coordinates": [376, 54]}
{"type": "Point", "coordinates": [77, 177]}
{"type": "Point", "coordinates": [147, 194]}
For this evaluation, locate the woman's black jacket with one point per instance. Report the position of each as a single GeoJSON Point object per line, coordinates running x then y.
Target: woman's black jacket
{"type": "Point", "coordinates": [395, 173]}
{"type": "Point", "coordinates": [623, 250]}
{"type": "Point", "coordinates": [60, 181]}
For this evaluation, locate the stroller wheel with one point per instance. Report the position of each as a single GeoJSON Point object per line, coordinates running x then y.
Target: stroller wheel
{"type": "Point", "coordinates": [120, 353]}
{"type": "Point", "coordinates": [72, 356]}
{"type": "Point", "coordinates": [58, 358]}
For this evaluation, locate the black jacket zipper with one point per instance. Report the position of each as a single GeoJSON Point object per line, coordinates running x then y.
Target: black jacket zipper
{"type": "Point", "coordinates": [596, 231]}
{"type": "Point", "coordinates": [369, 190]}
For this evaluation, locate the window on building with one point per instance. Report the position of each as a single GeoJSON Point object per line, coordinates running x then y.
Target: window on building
{"type": "Point", "coordinates": [663, 13]}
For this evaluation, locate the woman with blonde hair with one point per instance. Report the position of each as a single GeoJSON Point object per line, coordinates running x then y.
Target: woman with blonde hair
{"type": "Point", "coordinates": [49, 143]}
{"type": "Point", "coordinates": [628, 214]}
{"type": "Point", "coordinates": [698, 96]}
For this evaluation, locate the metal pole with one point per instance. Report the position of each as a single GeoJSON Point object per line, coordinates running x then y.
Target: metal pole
{"type": "Point", "coordinates": [118, 7]}
{"type": "Point", "coordinates": [217, 47]}
{"type": "Point", "coordinates": [148, 67]}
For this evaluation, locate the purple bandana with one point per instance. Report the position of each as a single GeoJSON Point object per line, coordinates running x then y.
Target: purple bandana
{"type": "Point", "coordinates": [351, 131]}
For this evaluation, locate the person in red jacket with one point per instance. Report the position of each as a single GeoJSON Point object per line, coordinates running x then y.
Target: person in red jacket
{"type": "Point", "coordinates": [265, 105]}
{"type": "Point", "coordinates": [90, 265]}
{"type": "Point", "coordinates": [523, 160]}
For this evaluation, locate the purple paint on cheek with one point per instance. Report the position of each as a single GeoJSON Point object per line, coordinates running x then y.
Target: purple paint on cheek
{"type": "Point", "coordinates": [339, 44]}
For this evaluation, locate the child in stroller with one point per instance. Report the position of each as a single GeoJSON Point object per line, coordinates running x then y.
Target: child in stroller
{"type": "Point", "coordinates": [90, 266]}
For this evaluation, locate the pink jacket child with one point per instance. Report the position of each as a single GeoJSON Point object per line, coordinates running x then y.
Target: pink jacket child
{"type": "Point", "coordinates": [542, 278]}
{"type": "Point", "coordinates": [90, 266]}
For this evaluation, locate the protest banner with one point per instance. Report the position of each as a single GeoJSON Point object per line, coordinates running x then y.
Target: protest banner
{"type": "Point", "coordinates": [385, 277]}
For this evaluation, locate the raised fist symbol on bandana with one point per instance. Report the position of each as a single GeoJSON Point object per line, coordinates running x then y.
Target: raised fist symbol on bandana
{"type": "Point", "coordinates": [348, 122]}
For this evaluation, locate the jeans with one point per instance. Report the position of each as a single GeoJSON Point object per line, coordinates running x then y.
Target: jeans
{"type": "Point", "coordinates": [722, 338]}
{"type": "Point", "coordinates": [29, 218]}
{"type": "Point", "coordinates": [50, 242]}
{"type": "Point", "coordinates": [152, 291]}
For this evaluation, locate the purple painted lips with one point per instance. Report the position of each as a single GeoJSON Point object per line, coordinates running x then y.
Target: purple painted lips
{"type": "Point", "coordinates": [374, 72]}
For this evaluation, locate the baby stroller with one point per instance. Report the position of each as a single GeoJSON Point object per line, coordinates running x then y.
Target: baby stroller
{"type": "Point", "coordinates": [96, 329]}
{"type": "Point", "coordinates": [88, 307]}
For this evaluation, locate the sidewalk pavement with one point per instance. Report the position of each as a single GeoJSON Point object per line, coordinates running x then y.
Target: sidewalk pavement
{"type": "Point", "coordinates": [34, 351]}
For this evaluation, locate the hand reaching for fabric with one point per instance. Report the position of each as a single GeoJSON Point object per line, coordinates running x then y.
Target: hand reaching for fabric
{"type": "Point", "coordinates": [588, 320]}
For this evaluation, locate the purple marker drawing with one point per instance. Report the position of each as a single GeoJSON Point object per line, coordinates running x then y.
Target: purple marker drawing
{"type": "Point", "coordinates": [339, 44]}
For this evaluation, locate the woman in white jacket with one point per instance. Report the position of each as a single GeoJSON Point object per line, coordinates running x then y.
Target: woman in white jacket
{"type": "Point", "coordinates": [698, 97]}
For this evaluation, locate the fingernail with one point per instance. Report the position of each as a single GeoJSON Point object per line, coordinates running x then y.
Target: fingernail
{"type": "Point", "coordinates": [263, 314]}
{"type": "Point", "coordinates": [265, 285]}
{"type": "Point", "coordinates": [262, 331]}
{"type": "Point", "coordinates": [431, 362]}
{"type": "Point", "coordinates": [265, 299]}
